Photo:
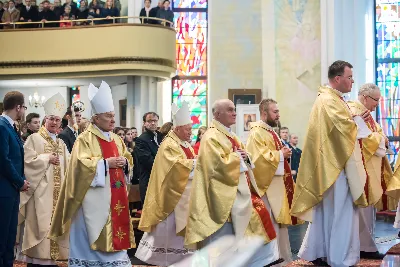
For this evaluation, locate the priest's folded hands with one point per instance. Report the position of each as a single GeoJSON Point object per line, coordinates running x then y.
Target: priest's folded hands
{"type": "Point", "coordinates": [116, 162]}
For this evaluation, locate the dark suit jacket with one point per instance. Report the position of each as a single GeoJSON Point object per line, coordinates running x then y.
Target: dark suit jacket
{"type": "Point", "coordinates": [144, 153]}
{"type": "Point", "coordinates": [12, 160]}
{"type": "Point", "coordinates": [153, 14]}
{"type": "Point", "coordinates": [68, 137]}
{"type": "Point", "coordinates": [143, 14]}
{"type": "Point", "coordinates": [32, 14]}
{"type": "Point", "coordinates": [295, 160]}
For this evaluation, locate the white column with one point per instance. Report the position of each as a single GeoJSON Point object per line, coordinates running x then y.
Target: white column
{"type": "Point", "coordinates": [134, 7]}
{"type": "Point", "coordinates": [152, 92]}
{"type": "Point", "coordinates": [130, 102]}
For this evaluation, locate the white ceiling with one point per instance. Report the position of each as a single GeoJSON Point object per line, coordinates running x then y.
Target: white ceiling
{"type": "Point", "coordinates": [16, 84]}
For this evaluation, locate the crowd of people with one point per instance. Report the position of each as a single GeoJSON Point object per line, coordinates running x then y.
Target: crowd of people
{"type": "Point", "coordinates": [64, 193]}
{"type": "Point", "coordinates": [16, 11]}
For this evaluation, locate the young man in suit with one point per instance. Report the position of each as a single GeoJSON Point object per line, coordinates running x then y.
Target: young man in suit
{"type": "Point", "coordinates": [145, 151]}
{"type": "Point", "coordinates": [69, 134]}
{"type": "Point", "coordinates": [12, 179]}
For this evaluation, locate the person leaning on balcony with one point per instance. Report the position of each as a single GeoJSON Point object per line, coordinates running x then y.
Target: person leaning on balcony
{"type": "Point", "coordinates": [67, 16]}
{"type": "Point", "coordinates": [145, 12]}
{"type": "Point", "coordinates": [1, 12]}
{"type": "Point", "coordinates": [11, 15]}
{"type": "Point", "coordinates": [47, 15]}
{"type": "Point", "coordinates": [166, 13]}
{"type": "Point", "coordinates": [108, 12]}
{"type": "Point", "coordinates": [82, 13]}
{"type": "Point", "coordinates": [96, 5]}
{"type": "Point", "coordinates": [28, 13]}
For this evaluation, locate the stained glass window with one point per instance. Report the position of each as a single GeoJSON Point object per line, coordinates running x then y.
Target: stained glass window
{"type": "Point", "coordinates": [190, 84]}
{"type": "Point", "coordinates": [387, 18]}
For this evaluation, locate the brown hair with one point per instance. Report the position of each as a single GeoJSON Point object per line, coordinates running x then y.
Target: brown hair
{"type": "Point", "coordinates": [13, 99]}
{"type": "Point", "coordinates": [264, 104]}
{"type": "Point", "coordinates": [337, 68]}
{"type": "Point", "coordinates": [165, 128]}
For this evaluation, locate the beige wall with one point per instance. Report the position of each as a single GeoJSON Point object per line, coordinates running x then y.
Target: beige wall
{"type": "Point", "coordinates": [235, 47]}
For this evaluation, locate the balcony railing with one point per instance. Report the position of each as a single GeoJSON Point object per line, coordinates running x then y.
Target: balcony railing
{"type": "Point", "coordinates": [90, 22]}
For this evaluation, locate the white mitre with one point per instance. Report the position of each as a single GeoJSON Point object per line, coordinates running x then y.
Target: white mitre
{"type": "Point", "coordinates": [181, 116]}
{"type": "Point", "coordinates": [101, 98]}
{"type": "Point", "coordinates": [55, 106]}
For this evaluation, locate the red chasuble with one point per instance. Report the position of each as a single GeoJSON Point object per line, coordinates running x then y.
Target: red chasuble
{"type": "Point", "coordinates": [287, 177]}
{"type": "Point", "coordinates": [120, 218]}
{"type": "Point", "coordinates": [188, 152]}
{"type": "Point", "coordinates": [258, 203]}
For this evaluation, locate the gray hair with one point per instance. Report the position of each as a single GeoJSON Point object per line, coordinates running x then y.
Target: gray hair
{"type": "Point", "coordinates": [367, 89]}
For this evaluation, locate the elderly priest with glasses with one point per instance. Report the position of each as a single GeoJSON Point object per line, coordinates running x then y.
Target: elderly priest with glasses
{"type": "Point", "coordinates": [93, 206]}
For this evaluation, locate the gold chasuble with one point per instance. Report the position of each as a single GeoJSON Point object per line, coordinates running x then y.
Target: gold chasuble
{"type": "Point", "coordinates": [105, 209]}
{"type": "Point", "coordinates": [264, 145]}
{"type": "Point", "coordinates": [215, 189]}
{"type": "Point", "coordinates": [38, 203]}
{"type": "Point", "coordinates": [330, 146]}
{"type": "Point", "coordinates": [378, 169]}
{"type": "Point", "coordinates": [394, 183]}
{"type": "Point", "coordinates": [168, 179]}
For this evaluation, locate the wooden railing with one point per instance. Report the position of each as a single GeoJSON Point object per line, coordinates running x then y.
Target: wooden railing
{"type": "Point", "coordinates": [91, 21]}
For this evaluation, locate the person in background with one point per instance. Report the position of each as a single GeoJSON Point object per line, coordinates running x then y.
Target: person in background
{"type": "Point", "coordinates": [95, 5]}
{"type": "Point", "coordinates": [12, 179]}
{"type": "Point", "coordinates": [145, 12]}
{"type": "Point", "coordinates": [165, 128]}
{"type": "Point", "coordinates": [69, 134]}
{"type": "Point", "coordinates": [129, 143]}
{"type": "Point", "coordinates": [166, 13]}
{"type": "Point", "coordinates": [108, 12]}
{"type": "Point", "coordinates": [11, 15]}
{"type": "Point", "coordinates": [58, 9]}
{"type": "Point", "coordinates": [154, 11]}
{"type": "Point", "coordinates": [32, 124]}
{"type": "Point", "coordinates": [82, 13]}
{"type": "Point", "coordinates": [120, 132]}
{"type": "Point", "coordinates": [29, 13]}
{"type": "Point", "coordinates": [40, 7]}
{"type": "Point", "coordinates": [19, 4]}
{"type": "Point", "coordinates": [72, 4]}
{"type": "Point", "coordinates": [296, 155]}
{"type": "Point", "coordinates": [47, 15]}
{"type": "Point", "coordinates": [134, 133]}
{"type": "Point", "coordinates": [284, 135]}
{"type": "Point", "coordinates": [23, 128]}
{"type": "Point", "coordinates": [82, 126]}
{"type": "Point", "coordinates": [146, 150]}
{"type": "Point", "coordinates": [68, 15]}
{"type": "Point", "coordinates": [1, 12]}
{"type": "Point", "coordinates": [200, 133]}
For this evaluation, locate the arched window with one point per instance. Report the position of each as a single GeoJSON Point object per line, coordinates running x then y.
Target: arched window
{"type": "Point", "coordinates": [387, 26]}
{"type": "Point", "coordinates": [190, 83]}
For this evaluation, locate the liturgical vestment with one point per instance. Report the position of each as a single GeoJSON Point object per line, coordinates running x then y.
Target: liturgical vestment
{"type": "Point", "coordinates": [331, 180]}
{"type": "Point", "coordinates": [274, 180]}
{"type": "Point", "coordinates": [225, 199]}
{"type": "Point", "coordinates": [379, 176]}
{"type": "Point", "coordinates": [38, 203]}
{"type": "Point", "coordinates": [165, 210]}
{"type": "Point", "coordinates": [93, 206]}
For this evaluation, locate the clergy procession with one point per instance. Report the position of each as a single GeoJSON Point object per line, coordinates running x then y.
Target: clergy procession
{"type": "Point", "coordinates": [64, 197]}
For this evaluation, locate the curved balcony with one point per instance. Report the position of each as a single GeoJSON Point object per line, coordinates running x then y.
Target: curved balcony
{"type": "Point", "coordinates": [117, 49]}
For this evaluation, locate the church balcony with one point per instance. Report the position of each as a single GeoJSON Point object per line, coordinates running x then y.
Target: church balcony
{"type": "Point", "coordinates": [115, 49]}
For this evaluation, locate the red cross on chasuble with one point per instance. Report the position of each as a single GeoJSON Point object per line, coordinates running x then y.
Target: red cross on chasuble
{"type": "Point", "coordinates": [120, 218]}
{"type": "Point", "coordinates": [188, 152]}
{"type": "Point", "coordinates": [258, 203]}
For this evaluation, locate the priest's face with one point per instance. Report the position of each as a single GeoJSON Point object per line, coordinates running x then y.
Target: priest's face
{"type": "Point", "coordinates": [371, 101]}
{"type": "Point", "coordinates": [346, 81]}
{"type": "Point", "coordinates": [105, 121]}
{"type": "Point", "coordinates": [226, 114]}
{"type": "Point", "coordinates": [184, 132]}
{"type": "Point", "coordinates": [273, 115]}
{"type": "Point", "coordinates": [53, 124]}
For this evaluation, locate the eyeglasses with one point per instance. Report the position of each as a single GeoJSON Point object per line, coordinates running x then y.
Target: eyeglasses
{"type": "Point", "coordinates": [350, 77]}
{"type": "Point", "coordinates": [377, 100]}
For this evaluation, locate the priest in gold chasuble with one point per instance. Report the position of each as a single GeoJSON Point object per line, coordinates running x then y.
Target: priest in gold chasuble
{"type": "Point", "coordinates": [379, 172]}
{"type": "Point", "coordinates": [46, 158]}
{"type": "Point", "coordinates": [272, 173]}
{"type": "Point", "coordinates": [331, 180]}
{"type": "Point", "coordinates": [165, 210]}
{"type": "Point", "coordinates": [93, 208]}
{"type": "Point", "coordinates": [225, 199]}
{"type": "Point", "coordinates": [394, 183]}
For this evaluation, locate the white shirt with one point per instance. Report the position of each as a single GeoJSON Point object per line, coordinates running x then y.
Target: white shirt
{"type": "Point", "coordinates": [73, 131]}
{"type": "Point", "coordinates": [106, 134]}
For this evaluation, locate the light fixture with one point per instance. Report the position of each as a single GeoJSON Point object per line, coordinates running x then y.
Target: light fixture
{"type": "Point", "coordinates": [36, 100]}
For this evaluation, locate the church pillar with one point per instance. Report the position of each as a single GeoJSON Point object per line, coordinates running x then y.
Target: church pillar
{"type": "Point", "coordinates": [152, 92]}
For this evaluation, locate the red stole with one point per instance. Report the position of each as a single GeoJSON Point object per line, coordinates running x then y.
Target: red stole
{"type": "Point", "coordinates": [287, 177]}
{"type": "Point", "coordinates": [188, 152]}
{"type": "Point", "coordinates": [120, 218]}
{"type": "Point", "coordinates": [258, 203]}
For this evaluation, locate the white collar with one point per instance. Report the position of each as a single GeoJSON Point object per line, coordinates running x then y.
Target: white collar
{"type": "Point", "coordinates": [337, 91]}
{"type": "Point", "coordinates": [52, 135]}
{"type": "Point", "coordinates": [185, 144]}
{"type": "Point", "coordinates": [105, 134]}
{"type": "Point", "coordinates": [11, 121]}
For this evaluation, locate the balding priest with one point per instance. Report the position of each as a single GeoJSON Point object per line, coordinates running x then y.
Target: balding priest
{"type": "Point", "coordinates": [225, 199]}
{"type": "Point", "coordinates": [164, 214]}
{"type": "Point", "coordinates": [46, 158]}
{"type": "Point", "coordinates": [93, 203]}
